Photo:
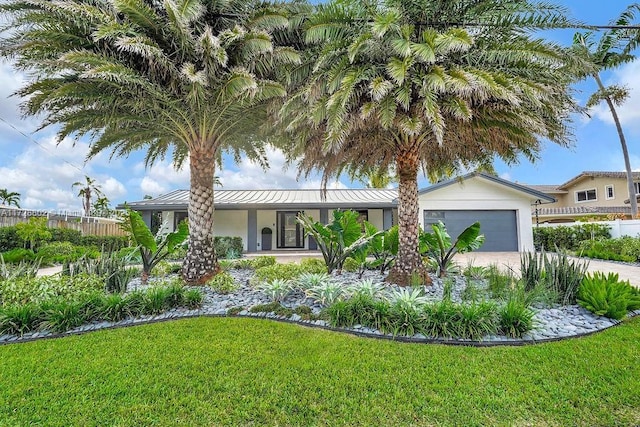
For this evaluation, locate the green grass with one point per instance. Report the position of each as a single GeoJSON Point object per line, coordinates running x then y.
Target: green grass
{"type": "Point", "coordinates": [229, 371]}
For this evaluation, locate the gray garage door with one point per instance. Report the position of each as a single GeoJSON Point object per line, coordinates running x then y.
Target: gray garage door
{"type": "Point", "coordinates": [499, 227]}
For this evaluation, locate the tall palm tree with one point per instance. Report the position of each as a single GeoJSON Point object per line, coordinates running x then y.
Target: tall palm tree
{"type": "Point", "coordinates": [406, 83]}
{"type": "Point", "coordinates": [9, 198]}
{"type": "Point", "coordinates": [612, 50]}
{"type": "Point", "coordinates": [88, 189]}
{"type": "Point", "coordinates": [187, 79]}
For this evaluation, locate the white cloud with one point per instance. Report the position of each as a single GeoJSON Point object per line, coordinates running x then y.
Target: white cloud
{"type": "Point", "coordinates": [506, 175]}
{"type": "Point", "coordinates": [627, 75]}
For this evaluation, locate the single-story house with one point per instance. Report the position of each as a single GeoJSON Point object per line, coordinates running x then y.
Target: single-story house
{"type": "Point", "coordinates": [266, 219]}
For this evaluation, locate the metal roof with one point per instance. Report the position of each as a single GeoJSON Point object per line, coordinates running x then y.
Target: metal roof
{"type": "Point", "coordinates": [281, 199]}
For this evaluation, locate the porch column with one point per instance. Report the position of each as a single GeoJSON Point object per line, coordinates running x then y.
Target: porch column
{"type": "Point", "coordinates": [252, 230]}
{"type": "Point", "coordinates": [146, 217]}
{"type": "Point", "coordinates": [324, 216]}
{"type": "Point", "coordinates": [387, 218]}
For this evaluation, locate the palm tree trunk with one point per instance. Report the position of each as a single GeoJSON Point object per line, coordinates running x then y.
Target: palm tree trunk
{"type": "Point", "coordinates": [200, 263]}
{"type": "Point", "coordinates": [408, 262]}
{"type": "Point", "coordinates": [625, 150]}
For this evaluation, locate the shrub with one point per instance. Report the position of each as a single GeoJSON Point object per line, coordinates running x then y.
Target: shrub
{"type": "Point", "coordinates": [9, 239]}
{"type": "Point", "coordinates": [135, 302]}
{"type": "Point", "coordinates": [439, 246]}
{"type": "Point", "coordinates": [278, 271]}
{"type": "Point", "coordinates": [114, 308]}
{"type": "Point", "coordinates": [607, 295]}
{"type": "Point", "coordinates": [57, 252]}
{"type": "Point", "coordinates": [63, 315]}
{"type": "Point", "coordinates": [223, 283]}
{"type": "Point", "coordinates": [228, 247]}
{"type": "Point", "coordinates": [156, 300]}
{"type": "Point", "coordinates": [312, 265]}
{"type": "Point", "coordinates": [621, 249]}
{"type": "Point", "coordinates": [163, 268]}
{"type": "Point", "coordinates": [34, 231]}
{"type": "Point", "coordinates": [66, 235]}
{"type": "Point", "coordinates": [402, 320]}
{"type": "Point", "coordinates": [351, 265]}
{"type": "Point", "coordinates": [20, 319]}
{"type": "Point", "coordinates": [38, 289]}
{"type": "Point", "coordinates": [193, 299]}
{"type": "Point", "coordinates": [276, 289]}
{"type": "Point", "coordinates": [105, 243]}
{"type": "Point", "coordinates": [263, 261]}
{"type": "Point", "coordinates": [568, 237]}
{"type": "Point", "coordinates": [515, 318]}
{"type": "Point", "coordinates": [110, 267]}
{"type": "Point", "coordinates": [18, 255]}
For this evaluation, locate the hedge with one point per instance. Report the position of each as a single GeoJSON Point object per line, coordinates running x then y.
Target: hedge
{"type": "Point", "coordinates": [9, 239]}
{"type": "Point", "coordinates": [568, 237]}
{"type": "Point", "coordinates": [228, 247]}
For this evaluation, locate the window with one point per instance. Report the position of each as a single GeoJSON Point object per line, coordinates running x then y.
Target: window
{"type": "Point", "coordinates": [432, 217]}
{"type": "Point", "coordinates": [636, 186]}
{"type": "Point", "coordinates": [586, 195]}
{"type": "Point", "coordinates": [608, 192]}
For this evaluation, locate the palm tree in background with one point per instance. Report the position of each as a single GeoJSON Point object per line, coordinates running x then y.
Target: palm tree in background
{"type": "Point", "coordinates": [9, 198]}
{"type": "Point", "coordinates": [88, 190]}
{"type": "Point", "coordinates": [612, 50]}
{"type": "Point", "coordinates": [407, 84]}
{"type": "Point", "coordinates": [188, 79]}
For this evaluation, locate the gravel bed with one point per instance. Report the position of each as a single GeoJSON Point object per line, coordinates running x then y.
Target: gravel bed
{"type": "Point", "coordinates": [550, 323]}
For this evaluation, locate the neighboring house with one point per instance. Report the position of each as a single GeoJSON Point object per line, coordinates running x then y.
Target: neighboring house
{"type": "Point", "coordinates": [266, 219]}
{"type": "Point", "coordinates": [590, 194]}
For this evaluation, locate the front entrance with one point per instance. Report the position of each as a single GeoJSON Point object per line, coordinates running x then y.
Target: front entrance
{"type": "Point", "coordinates": [266, 239]}
{"type": "Point", "coordinates": [289, 231]}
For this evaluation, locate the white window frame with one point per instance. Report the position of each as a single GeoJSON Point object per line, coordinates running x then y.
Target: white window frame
{"type": "Point", "coordinates": [586, 191]}
{"type": "Point", "coordinates": [606, 192]}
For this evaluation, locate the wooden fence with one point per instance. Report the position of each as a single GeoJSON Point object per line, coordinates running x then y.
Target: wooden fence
{"type": "Point", "coordinates": [87, 226]}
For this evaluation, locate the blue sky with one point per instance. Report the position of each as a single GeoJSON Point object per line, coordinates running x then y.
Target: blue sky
{"type": "Point", "coordinates": [43, 171]}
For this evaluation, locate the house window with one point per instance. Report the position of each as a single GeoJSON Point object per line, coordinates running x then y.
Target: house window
{"type": "Point", "coordinates": [636, 186]}
{"type": "Point", "coordinates": [608, 192]}
{"type": "Point", "coordinates": [586, 195]}
{"type": "Point", "coordinates": [432, 217]}
{"type": "Point", "coordinates": [363, 216]}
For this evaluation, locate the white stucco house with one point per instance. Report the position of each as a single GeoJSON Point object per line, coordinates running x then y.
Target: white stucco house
{"type": "Point", "coordinates": [266, 219]}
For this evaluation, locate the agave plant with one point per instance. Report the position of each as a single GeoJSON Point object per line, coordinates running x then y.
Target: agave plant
{"type": "Point", "coordinates": [327, 293]}
{"type": "Point", "coordinates": [276, 289]}
{"type": "Point", "coordinates": [309, 280]}
{"type": "Point", "coordinates": [367, 288]}
{"type": "Point", "coordinates": [407, 298]}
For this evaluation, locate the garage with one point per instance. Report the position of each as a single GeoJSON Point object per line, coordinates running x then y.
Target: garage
{"type": "Point", "coordinates": [502, 207]}
{"type": "Point", "coordinates": [498, 226]}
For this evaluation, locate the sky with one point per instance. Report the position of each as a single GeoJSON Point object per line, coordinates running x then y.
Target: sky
{"type": "Point", "coordinates": [43, 170]}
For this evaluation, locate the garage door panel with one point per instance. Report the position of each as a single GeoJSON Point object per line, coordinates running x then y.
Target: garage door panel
{"type": "Point", "coordinates": [499, 227]}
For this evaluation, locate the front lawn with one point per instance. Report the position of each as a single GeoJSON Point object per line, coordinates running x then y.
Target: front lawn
{"type": "Point", "coordinates": [230, 371]}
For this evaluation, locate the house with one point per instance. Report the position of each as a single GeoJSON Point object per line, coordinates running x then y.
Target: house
{"type": "Point", "coordinates": [266, 219]}
{"type": "Point", "coordinates": [589, 194]}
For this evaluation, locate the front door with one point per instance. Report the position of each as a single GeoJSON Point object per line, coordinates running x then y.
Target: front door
{"type": "Point", "coordinates": [289, 231]}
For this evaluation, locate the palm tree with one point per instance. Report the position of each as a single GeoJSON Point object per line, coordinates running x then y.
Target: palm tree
{"type": "Point", "coordinates": [607, 53]}
{"type": "Point", "coordinates": [188, 79]}
{"type": "Point", "coordinates": [9, 198]}
{"type": "Point", "coordinates": [406, 84]}
{"type": "Point", "coordinates": [88, 189]}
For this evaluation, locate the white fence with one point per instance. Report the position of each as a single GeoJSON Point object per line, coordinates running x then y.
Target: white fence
{"type": "Point", "coordinates": [618, 227]}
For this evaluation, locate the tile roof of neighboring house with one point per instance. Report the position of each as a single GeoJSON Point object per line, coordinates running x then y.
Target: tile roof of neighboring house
{"type": "Point", "coordinates": [584, 210]}
{"type": "Point", "coordinates": [549, 189]}
{"type": "Point", "coordinates": [232, 199]}
{"type": "Point", "coordinates": [597, 174]}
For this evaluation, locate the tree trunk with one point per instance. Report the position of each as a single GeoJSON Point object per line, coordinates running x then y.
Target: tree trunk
{"type": "Point", "coordinates": [625, 150]}
{"type": "Point", "coordinates": [408, 262]}
{"type": "Point", "coordinates": [200, 263]}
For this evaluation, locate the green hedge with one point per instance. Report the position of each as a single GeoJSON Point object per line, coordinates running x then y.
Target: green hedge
{"type": "Point", "coordinates": [9, 239]}
{"type": "Point", "coordinates": [568, 237]}
{"type": "Point", "coordinates": [228, 247]}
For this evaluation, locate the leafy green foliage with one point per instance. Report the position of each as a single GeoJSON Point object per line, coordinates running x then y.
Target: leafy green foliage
{"type": "Point", "coordinates": [339, 239]}
{"type": "Point", "coordinates": [18, 319]}
{"type": "Point", "coordinates": [383, 247]}
{"type": "Point", "coordinates": [308, 280]}
{"type": "Point", "coordinates": [34, 231]}
{"type": "Point", "coordinates": [152, 249]}
{"type": "Point", "coordinates": [228, 247]}
{"type": "Point", "coordinates": [351, 265]}
{"type": "Point", "coordinates": [515, 318]}
{"type": "Point", "coordinates": [60, 252]}
{"type": "Point", "coordinates": [288, 271]}
{"type": "Point", "coordinates": [18, 255]}
{"type": "Point", "coordinates": [606, 295]}
{"type": "Point", "coordinates": [326, 293]}
{"type": "Point", "coordinates": [438, 244]}
{"type": "Point", "coordinates": [193, 299]}
{"type": "Point", "coordinates": [568, 237]}
{"type": "Point", "coordinates": [37, 289]}
{"type": "Point", "coordinates": [223, 283]}
{"type": "Point", "coordinates": [110, 267]}
{"type": "Point", "coordinates": [625, 248]}
{"type": "Point", "coordinates": [61, 316]}
{"type": "Point", "coordinates": [313, 265]}
{"type": "Point", "coordinates": [23, 269]}
{"type": "Point", "coordinates": [9, 239]}
{"type": "Point", "coordinates": [274, 307]}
